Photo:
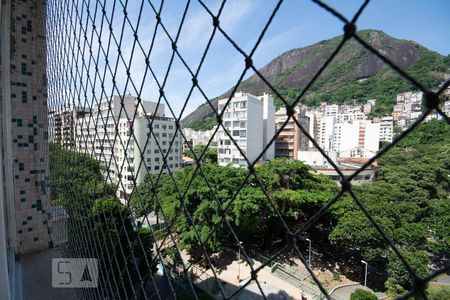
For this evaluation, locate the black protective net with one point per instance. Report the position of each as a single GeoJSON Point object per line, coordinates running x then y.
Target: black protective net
{"type": "Point", "coordinates": [92, 73]}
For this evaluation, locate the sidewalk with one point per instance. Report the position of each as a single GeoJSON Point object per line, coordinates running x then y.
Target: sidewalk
{"type": "Point", "coordinates": [229, 274]}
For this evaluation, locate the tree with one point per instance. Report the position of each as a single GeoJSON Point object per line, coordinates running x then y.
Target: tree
{"type": "Point", "coordinates": [410, 203]}
{"type": "Point", "coordinates": [438, 293]}
{"type": "Point", "coordinates": [360, 294]}
{"type": "Point", "coordinates": [399, 275]}
{"type": "Point", "coordinates": [99, 225]}
{"type": "Point", "coordinates": [210, 155]}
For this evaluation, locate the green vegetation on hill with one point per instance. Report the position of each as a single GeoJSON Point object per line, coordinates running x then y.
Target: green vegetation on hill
{"type": "Point", "coordinates": [205, 124]}
{"type": "Point", "coordinates": [354, 76]}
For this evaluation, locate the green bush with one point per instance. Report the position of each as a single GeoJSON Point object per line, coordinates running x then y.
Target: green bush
{"type": "Point", "coordinates": [438, 293]}
{"type": "Point", "coordinates": [361, 294]}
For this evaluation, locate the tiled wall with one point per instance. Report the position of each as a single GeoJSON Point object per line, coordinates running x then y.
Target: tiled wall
{"type": "Point", "coordinates": [29, 124]}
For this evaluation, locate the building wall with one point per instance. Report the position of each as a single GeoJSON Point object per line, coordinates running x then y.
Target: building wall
{"type": "Point", "coordinates": [255, 139]}
{"type": "Point", "coordinates": [291, 139]}
{"type": "Point", "coordinates": [62, 125]}
{"type": "Point", "coordinates": [244, 119]}
{"type": "Point", "coordinates": [107, 135]}
{"type": "Point", "coordinates": [152, 161]}
{"type": "Point", "coordinates": [268, 125]}
{"type": "Point", "coordinates": [363, 134]}
{"type": "Point", "coordinates": [325, 132]}
{"type": "Point", "coordinates": [27, 105]}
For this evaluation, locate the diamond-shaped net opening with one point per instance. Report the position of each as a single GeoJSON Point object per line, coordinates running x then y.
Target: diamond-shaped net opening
{"type": "Point", "coordinates": [163, 226]}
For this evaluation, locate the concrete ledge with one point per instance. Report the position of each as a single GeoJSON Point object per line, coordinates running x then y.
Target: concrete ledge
{"type": "Point", "coordinates": [37, 277]}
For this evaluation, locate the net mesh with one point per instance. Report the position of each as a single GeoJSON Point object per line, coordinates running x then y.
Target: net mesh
{"type": "Point", "coordinates": [98, 52]}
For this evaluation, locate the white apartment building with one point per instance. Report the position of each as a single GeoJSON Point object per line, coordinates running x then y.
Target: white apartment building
{"type": "Point", "coordinates": [314, 117]}
{"type": "Point", "coordinates": [386, 128]}
{"type": "Point", "coordinates": [315, 158]}
{"type": "Point", "coordinates": [251, 122]}
{"type": "Point", "coordinates": [107, 135]}
{"type": "Point", "coordinates": [447, 107]}
{"type": "Point", "coordinates": [163, 141]}
{"type": "Point", "coordinates": [331, 110]}
{"type": "Point", "coordinates": [351, 138]}
{"type": "Point", "coordinates": [351, 116]}
{"type": "Point", "coordinates": [98, 129]}
{"type": "Point", "coordinates": [199, 137]}
{"type": "Point", "coordinates": [325, 132]}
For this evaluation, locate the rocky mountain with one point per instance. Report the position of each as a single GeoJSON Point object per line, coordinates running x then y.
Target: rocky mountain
{"type": "Point", "coordinates": [355, 75]}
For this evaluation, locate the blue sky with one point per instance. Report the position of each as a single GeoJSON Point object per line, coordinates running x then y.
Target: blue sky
{"type": "Point", "coordinates": [297, 24]}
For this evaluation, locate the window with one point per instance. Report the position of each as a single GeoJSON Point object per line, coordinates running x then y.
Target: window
{"type": "Point", "coordinates": [243, 124]}
{"type": "Point", "coordinates": [235, 132]}
{"type": "Point", "coordinates": [235, 123]}
{"type": "Point", "coordinates": [24, 97]}
{"type": "Point", "coordinates": [243, 133]}
{"type": "Point", "coordinates": [24, 68]}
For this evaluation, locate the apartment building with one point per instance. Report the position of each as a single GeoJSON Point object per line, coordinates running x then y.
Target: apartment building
{"type": "Point", "coordinates": [250, 120]}
{"type": "Point", "coordinates": [291, 139]}
{"type": "Point", "coordinates": [350, 116]}
{"type": "Point", "coordinates": [447, 107]}
{"type": "Point", "coordinates": [386, 128]}
{"type": "Point", "coordinates": [356, 139]}
{"type": "Point", "coordinates": [199, 137]}
{"type": "Point", "coordinates": [155, 140]}
{"type": "Point", "coordinates": [112, 136]}
{"type": "Point", "coordinates": [95, 132]}
{"type": "Point", "coordinates": [331, 110]}
{"type": "Point", "coordinates": [61, 127]}
{"type": "Point", "coordinates": [407, 107]}
{"type": "Point", "coordinates": [367, 108]}
{"type": "Point", "coordinates": [325, 132]}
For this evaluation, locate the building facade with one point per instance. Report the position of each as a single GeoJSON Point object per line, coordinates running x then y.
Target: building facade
{"type": "Point", "coordinates": [250, 120]}
{"type": "Point", "coordinates": [386, 128]}
{"type": "Point", "coordinates": [199, 137]}
{"type": "Point", "coordinates": [62, 125]}
{"type": "Point", "coordinates": [291, 139]}
{"type": "Point", "coordinates": [363, 135]}
{"type": "Point", "coordinates": [119, 131]}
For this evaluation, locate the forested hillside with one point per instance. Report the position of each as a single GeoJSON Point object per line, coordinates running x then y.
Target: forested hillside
{"type": "Point", "coordinates": [355, 75]}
